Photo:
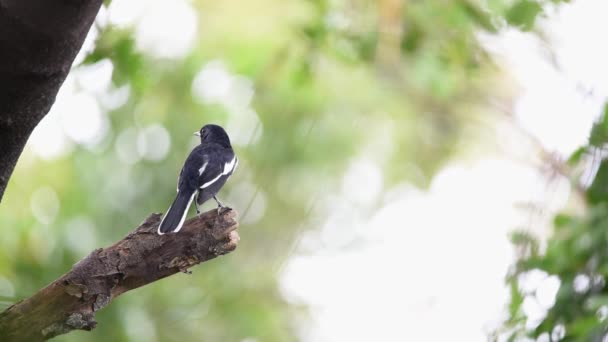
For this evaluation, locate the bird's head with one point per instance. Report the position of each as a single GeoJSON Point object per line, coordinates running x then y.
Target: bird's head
{"type": "Point", "coordinates": [214, 134]}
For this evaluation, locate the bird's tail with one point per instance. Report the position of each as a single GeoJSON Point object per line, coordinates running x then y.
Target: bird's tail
{"type": "Point", "coordinates": [175, 216]}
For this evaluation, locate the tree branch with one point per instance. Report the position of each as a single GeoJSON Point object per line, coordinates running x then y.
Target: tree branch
{"type": "Point", "coordinates": [141, 258]}
{"type": "Point", "coordinates": [39, 40]}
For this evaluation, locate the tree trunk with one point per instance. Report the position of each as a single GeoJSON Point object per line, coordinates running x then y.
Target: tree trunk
{"type": "Point", "coordinates": [39, 40]}
{"type": "Point", "coordinates": [141, 258]}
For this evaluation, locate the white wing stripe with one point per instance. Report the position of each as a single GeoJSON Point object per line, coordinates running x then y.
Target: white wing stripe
{"type": "Point", "coordinates": [228, 167]}
{"type": "Point", "coordinates": [211, 181]}
{"type": "Point", "coordinates": [202, 169]}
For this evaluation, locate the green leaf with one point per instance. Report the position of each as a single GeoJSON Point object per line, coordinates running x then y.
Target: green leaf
{"type": "Point", "coordinates": [562, 220]}
{"type": "Point", "coordinates": [577, 155]}
{"type": "Point", "coordinates": [526, 242]}
{"type": "Point", "coordinates": [583, 326]}
{"type": "Point", "coordinates": [517, 299]}
{"type": "Point", "coordinates": [410, 42]}
{"type": "Point", "coordinates": [598, 192]}
{"type": "Point", "coordinates": [523, 14]}
{"type": "Point", "coordinates": [596, 302]}
{"type": "Point", "coordinates": [479, 16]}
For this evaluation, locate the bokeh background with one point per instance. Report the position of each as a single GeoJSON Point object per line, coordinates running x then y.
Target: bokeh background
{"type": "Point", "coordinates": [409, 170]}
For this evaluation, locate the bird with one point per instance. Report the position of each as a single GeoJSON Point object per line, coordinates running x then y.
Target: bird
{"type": "Point", "coordinates": [204, 173]}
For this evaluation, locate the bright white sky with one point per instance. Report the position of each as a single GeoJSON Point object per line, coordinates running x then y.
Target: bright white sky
{"type": "Point", "coordinates": [431, 266]}
{"type": "Point", "coordinates": [426, 266]}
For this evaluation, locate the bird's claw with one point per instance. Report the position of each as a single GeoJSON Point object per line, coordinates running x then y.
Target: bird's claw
{"type": "Point", "coordinates": [220, 207]}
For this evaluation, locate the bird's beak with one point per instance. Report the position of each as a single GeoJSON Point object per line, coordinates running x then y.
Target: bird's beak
{"type": "Point", "coordinates": [198, 134]}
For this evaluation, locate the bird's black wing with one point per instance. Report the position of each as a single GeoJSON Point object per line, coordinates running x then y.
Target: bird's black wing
{"type": "Point", "coordinates": [198, 162]}
{"type": "Point", "coordinates": [217, 164]}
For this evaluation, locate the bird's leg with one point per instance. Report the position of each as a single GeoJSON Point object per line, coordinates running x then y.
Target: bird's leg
{"type": "Point", "coordinates": [220, 205]}
{"type": "Point", "coordinates": [198, 210]}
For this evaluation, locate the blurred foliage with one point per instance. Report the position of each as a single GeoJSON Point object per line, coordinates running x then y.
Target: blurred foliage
{"type": "Point", "coordinates": [577, 254]}
{"type": "Point", "coordinates": [389, 81]}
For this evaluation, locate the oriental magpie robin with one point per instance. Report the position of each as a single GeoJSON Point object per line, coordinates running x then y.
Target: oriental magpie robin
{"type": "Point", "coordinates": [204, 173]}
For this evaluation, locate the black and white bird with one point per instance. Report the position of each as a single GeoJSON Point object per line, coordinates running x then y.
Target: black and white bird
{"type": "Point", "coordinates": [204, 173]}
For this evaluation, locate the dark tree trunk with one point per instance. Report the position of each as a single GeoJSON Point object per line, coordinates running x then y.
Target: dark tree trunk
{"type": "Point", "coordinates": [39, 40]}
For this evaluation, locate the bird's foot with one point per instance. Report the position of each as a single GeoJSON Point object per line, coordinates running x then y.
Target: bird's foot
{"type": "Point", "coordinates": [220, 205]}
{"type": "Point", "coordinates": [222, 208]}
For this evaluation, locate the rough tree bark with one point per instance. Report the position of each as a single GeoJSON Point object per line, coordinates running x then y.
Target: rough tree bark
{"type": "Point", "coordinates": [39, 40]}
{"type": "Point", "coordinates": [142, 257]}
